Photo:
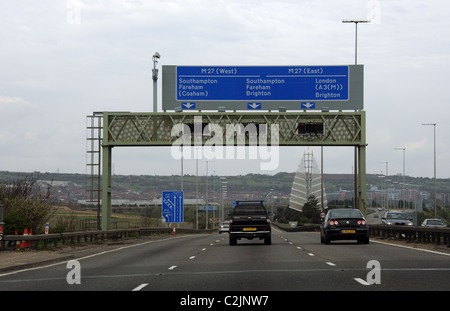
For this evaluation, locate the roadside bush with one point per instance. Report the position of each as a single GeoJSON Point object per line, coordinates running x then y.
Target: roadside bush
{"type": "Point", "coordinates": [15, 222]}
{"type": "Point", "coordinates": [26, 204]}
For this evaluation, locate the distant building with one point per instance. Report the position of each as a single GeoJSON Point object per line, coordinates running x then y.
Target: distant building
{"type": "Point", "coordinates": [307, 182]}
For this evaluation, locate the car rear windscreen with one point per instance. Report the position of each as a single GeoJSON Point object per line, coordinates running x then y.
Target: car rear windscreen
{"type": "Point", "coordinates": [249, 209]}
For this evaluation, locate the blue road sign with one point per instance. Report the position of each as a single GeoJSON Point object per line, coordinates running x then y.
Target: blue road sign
{"type": "Point", "coordinates": [281, 88]}
{"type": "Point", "coordinates": [254, 106]}
{"type": "Point", "coordinates": [209, 208]}
{"type": "Point", "coordinates": [188, 105]}
{"type": "Point", "coordinates": [172, 206]}
{"type": "Point", "coordinates": [308, 105]}
{"type": "Point", "coordinates": [270, 83]}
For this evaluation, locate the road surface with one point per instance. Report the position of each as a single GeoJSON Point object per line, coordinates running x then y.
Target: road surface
{"type": "Point", "coordinates": [206, 262]}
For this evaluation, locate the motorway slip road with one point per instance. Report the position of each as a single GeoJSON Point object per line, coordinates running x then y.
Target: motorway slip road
{"type": "Point", "coordinates": [206, 265]}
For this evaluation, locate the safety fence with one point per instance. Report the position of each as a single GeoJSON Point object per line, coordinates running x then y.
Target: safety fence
{"type": "Point", "coordinates": [60, 239]}
{"type": "Point", "coordinates": [439, 236]}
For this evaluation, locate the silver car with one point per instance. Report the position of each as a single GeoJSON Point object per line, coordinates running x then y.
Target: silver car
{"type": "Point", "coordinates": [224, 227]}
{"type": "Point", "coordinates": [434, 223]}
{"type": "Point", "coordinates": [393, 218]}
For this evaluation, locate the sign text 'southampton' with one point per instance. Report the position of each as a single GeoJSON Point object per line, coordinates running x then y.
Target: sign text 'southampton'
{"type": "Point", "coordinates": [235, 87]}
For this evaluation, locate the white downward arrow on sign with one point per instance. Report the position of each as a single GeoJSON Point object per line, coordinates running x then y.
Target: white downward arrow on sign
{"type": "Point", "coordinates": [188, 105]}
{"type": "Point", "coordinates": [254, 105]}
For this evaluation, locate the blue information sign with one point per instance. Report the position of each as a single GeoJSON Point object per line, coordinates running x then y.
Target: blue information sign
{"type": "Point", "coordinates": [172, 206]}
{"type": "Point", "coordinates": [256, 84]}
{"type": "Point", "coordinates": [254, 106]}
{"type": "Point", "coordinates": [310, 105]}
{"type": "Point", "coordinates": [188, 105]}
{"type": "Point", "coordinates": [209, 208]}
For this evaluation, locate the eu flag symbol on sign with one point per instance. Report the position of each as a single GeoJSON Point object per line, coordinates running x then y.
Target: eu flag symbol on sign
{"type": "Point", "coordinates": [172, 206]}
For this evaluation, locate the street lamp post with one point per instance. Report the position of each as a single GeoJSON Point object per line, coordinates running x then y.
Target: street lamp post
{"type": "Point", "coordinates": [156, 56]}
{"type": "Point", "coordinates": [402, 148]}
{"type": "Point", "coordinates": [196, 188]}
{"type": "Point", "coordinates": [404, 185]}
{"type": "Point", "coordinates": [356, 22]}
{"type": "Point", "coordinates": [223, 186]}
{"type": "Point", "coordinates": [385, 184]}
{"type": "Point", "coordinates": [434, 138]}
{"type": "Point", "coordinates": [224, 191]}
{"type": "Point", "coordinates": [206, 196]}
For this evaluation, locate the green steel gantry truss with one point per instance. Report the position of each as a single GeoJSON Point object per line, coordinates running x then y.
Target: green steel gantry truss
{"type": "Point", "coordinates": [281, 128]}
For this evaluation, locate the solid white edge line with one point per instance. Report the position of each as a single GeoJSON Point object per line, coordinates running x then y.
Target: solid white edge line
{"type": "Point", "coordinates": [414, 248]}
{"type": "Point", "coordinates": [361, 281]}
{"type": "Point", "coordinates": [88, 256]}
{"type": "Point", "coordinates": [140, 287]}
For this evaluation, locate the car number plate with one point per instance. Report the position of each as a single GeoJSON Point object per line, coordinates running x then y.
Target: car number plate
{"type": "Point", "coordinates": [249, 229]}
{"type": "Point", "coordinates": [348, 231]}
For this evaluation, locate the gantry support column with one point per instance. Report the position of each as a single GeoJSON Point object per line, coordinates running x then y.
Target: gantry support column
{"type": "Point", "coordinates": [106, 177]}
{"type": "Point", "coordinates": [362, 196]}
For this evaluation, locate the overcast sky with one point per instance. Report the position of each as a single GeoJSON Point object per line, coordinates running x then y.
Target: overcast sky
{"type": "Point", "coordinates": [61, 60]}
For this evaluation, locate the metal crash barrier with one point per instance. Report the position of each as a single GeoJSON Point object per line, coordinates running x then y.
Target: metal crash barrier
{"type": "Point", "coordinates": [61, 239]}
{"type": "Point", "coordinates": [439, 236]}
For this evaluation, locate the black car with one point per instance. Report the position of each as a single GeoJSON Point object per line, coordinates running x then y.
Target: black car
{"type": "Point", "coordinates": [344, 224]}
{"type": "Point", "coordinates": [249, 220]}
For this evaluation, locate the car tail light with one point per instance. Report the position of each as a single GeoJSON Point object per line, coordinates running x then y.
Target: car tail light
{"type": "Point", "coordinates": [333, 223]}
{"type": "Point", "coordinates": [267, 225]}
{"type": "Point", "coordinates": [362, 222]}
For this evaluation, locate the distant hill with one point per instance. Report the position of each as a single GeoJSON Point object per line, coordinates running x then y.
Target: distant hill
{"type": "Point", "coordinates": [72, 187]}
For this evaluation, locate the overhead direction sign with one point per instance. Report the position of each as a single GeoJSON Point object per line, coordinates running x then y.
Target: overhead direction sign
{"type": "Point", "coordinates": [172, 206]}
{"type": "Point", "coordinates": [263, 87]}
